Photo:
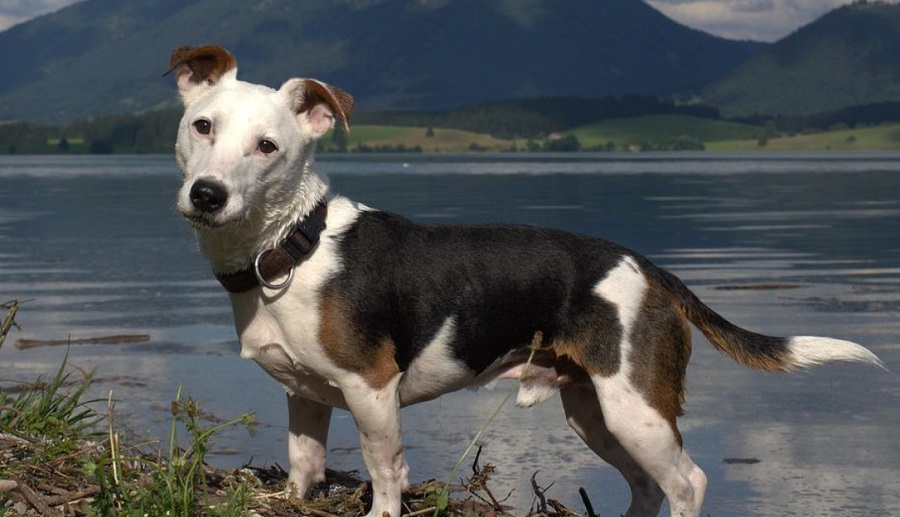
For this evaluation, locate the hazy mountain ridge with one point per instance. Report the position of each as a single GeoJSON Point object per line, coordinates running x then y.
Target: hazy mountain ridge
{"type": "Point", "coordinates": [847, 57]}
{"type": "Point", "coordinates": [106, 56]}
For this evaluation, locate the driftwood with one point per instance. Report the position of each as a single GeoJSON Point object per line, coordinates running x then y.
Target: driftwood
{"type": "Point", "coordinates": [103, 340]}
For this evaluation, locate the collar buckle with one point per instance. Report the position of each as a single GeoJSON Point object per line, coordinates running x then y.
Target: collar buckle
{"type": "Point", "coordinates": [282, 259]}
{"type": "Point", "coordinates": [262, 279]}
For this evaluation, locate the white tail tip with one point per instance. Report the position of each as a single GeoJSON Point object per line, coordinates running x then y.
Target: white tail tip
{"type": "Point", "coordinates": [808, 351]}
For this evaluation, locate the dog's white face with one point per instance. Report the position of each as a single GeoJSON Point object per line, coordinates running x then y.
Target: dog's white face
{"type": "Point", "coordinates": [243, 146]}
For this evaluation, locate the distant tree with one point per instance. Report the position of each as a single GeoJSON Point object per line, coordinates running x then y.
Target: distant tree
{"type": "Point", "coordinates": [687, 143]}
{"type": "Point", "coordinates": [568, 143]}
{"type": "Point", "coordinates": [768, 132]}
{"type": "Point", "coordinates": [101, 147]}
{"type": "Point", "coordinates": [532, 146]}
{"type": "Point", "coordinates": [429, 133]}
{"type": "Point", "coordinates": [63, 145]}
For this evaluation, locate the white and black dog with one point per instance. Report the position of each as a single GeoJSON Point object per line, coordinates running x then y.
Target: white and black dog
{"type": "Point", "coordinates": [350, 307]}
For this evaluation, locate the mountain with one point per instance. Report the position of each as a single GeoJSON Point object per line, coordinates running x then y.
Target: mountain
{"type": "Point", "coordinates": [106, 56]}
{"type": "Point", "coordinates": [845, 58]}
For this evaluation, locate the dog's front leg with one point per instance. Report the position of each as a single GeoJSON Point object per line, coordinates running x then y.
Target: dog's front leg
{"type": "Point", "coordinates": [376, 412]}
{"type": "Point", "coordinates": [307, 434]}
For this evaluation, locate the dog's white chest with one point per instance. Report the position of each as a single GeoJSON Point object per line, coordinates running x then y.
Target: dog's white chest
{"type": "Point", "coordinates": [281, 337]}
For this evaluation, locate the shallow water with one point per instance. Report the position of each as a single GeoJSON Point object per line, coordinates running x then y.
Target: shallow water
{"type": "Point", "coordinates": [783, 244]}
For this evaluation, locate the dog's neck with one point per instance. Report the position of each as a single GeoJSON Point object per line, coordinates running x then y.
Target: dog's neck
{"type": "Point", "coordinates": [234, 247]}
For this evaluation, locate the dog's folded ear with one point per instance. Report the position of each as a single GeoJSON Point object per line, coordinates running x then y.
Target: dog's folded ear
{"type": "Point", "coordinates": [319, 104]}
{"type": "Point", "coordinates": [199, 67]}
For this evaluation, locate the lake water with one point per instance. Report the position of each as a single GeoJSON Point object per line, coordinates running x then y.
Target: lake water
{"type": "Point", "coordinates": [783, 244]}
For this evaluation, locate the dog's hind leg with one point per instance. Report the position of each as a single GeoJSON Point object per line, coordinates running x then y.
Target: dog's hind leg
{"type": "Point", "coordinates": [653, 443]}
{"type": "Point", "coordinates": [584, 415]}
{"type": "Point", "coordinates": [307, 435]}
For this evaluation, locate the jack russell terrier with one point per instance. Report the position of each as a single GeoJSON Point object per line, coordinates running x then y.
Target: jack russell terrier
{"type": "Point", "coordinates": [350, 307]}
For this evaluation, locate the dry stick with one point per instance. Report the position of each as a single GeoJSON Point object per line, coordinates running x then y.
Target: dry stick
{"type": "Point", "coordinates": [318, 513]}
{"type": "Point", "coordinates": [12, 308]}
{"type": "Point", "coordinates": [539, 492]}
{"type": "Point", "coordinates": [36, 501]}
{"type": "Point", "coordinates": [22, 344]}
{"type": "Point", "coordinates": [587, 502]}
{"type": "Point", "coordinates": [113, 440]}
{"type": "Point", "coordinates": [72, 497]}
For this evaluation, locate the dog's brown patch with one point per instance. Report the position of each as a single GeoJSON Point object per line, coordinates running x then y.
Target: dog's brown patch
{"type": "Point", "coordinates": [661, 347]}
{"type": "Point", "coordinates": [596, 346]}
{"type": "Point", "coordinates": [764, 353]}
{"type": "Point", "coordinates": [373, 359]}
{"type": "Point", "coordinates": [207, 63]}
{"type": "Point", "coordinates": [315, 92]}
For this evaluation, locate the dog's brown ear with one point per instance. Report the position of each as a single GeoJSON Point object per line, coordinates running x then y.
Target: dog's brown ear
{"type": "Point", "coordinates": [198, 66]}
{"type": "Point", "coordinates": [320, 103]}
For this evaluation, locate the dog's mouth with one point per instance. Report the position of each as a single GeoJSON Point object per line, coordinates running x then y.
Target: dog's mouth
{"type": "Point", "coordinates": [203, 221]}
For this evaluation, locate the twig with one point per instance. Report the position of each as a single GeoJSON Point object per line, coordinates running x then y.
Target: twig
{"type": "Point", "coordinates": [539, 492]}
{"type": "Point", "coordinates": [71, 497]}
{"type": "Point", "coordinates": [476, 470]}
{"type": "Point", "coordinates": [10, 320]}
{"type": "Point", "coordinates": [36, 501]}
{"type": "Point", "coordinates": [22, 344]}
{"type": "Point", "coordinates": [587, 502]}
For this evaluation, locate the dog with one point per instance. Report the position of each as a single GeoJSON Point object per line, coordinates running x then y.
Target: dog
{"type": "Point", "coordinates": [350, 307]}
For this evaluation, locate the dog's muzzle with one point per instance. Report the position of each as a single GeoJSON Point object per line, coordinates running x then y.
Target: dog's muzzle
{"type": "Point", "coordinates": [208, 196]}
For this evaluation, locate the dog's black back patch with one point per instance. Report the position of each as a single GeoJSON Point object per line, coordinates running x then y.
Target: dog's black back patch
{"type": "Point", "coordinates": [400, 281]}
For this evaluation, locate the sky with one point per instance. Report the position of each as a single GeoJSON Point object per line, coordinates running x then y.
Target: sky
{"type": "Point", "coordinates": [761, 20]}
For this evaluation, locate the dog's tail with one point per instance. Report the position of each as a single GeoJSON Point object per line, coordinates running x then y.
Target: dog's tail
{"type": "Point", "coordinates": [767, 353]}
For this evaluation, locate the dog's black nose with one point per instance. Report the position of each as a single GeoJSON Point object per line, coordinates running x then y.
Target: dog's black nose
{"type": "Point", "coordinates": [208, 196]}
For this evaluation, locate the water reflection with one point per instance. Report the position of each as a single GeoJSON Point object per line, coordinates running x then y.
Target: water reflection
{"type": "Point", "coordinates": [801, 244]}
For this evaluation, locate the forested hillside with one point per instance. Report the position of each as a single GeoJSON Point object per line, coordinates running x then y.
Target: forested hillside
{"type": "Point", "coordinates": [106, 56]}
{"type": "Point", "coordinates": [848, 57]}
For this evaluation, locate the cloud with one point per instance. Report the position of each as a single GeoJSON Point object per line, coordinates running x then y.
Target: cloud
{"type": "Point", "coordinates": [762, 20]}
{"type": "Point", "coordinates": [13, 12]}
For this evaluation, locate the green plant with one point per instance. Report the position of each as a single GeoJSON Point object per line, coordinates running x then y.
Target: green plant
{"type": "Point", "coordinates": [174, 478]}
{"type": "Point", "coordinates": [46, 410]}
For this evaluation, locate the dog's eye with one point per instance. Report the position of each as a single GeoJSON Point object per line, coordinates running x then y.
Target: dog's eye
{"type": "Point", "coordinates": [203, 126]}
{"type": "Point", "coordinates": [267, 146]}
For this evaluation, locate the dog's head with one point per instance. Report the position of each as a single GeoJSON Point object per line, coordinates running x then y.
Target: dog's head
{"type": "Point", "coordinates": [243, 145]}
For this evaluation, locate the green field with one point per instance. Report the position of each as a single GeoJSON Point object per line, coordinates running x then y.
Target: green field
{"type": "Point", "coordinates": [879, 138]}
{"type": "Point", "coordinates": [658, 128]}
{"type": "Point", "coordinates": [442, 140]}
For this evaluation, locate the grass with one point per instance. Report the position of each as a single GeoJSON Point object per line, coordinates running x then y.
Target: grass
{"type": "Point", "coordinates": [657, 128]}
{"type": "Point", "coordinates": [885, 137]}
{"type": "Point", "coordinates": [174, 482]}
{"type": "Point", "coordinates": [659, 131]}
{"type": "Point", "coordinates": [410, 138]}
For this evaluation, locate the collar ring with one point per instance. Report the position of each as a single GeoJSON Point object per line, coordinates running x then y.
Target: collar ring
{"type": "Point", "coordinates": [262, 279]}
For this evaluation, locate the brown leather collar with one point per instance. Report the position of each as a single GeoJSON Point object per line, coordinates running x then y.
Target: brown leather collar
{"type": "Point", "coordinates": [279, 261]}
